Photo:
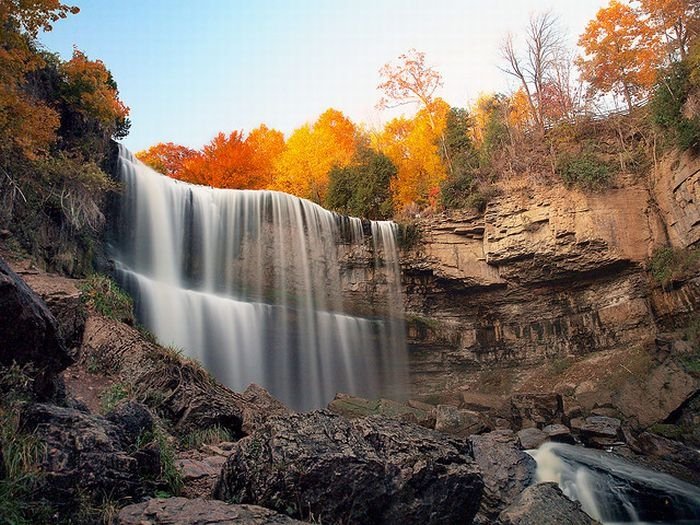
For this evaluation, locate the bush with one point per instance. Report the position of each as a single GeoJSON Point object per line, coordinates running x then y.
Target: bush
{"type": "Point", "coordinates": [584, 170]}
{"type": "Point", "coordinates": [667, 107]}
{"type": "Point", "coordinates": [668, 265]}
{"type": "Point", "coordinates": [104, 295]}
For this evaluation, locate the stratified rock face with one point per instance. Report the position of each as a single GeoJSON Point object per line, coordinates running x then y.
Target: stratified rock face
{"type": "Point", "coordinates": [505, 468]}
{"type": "Point", "coordinates": [544, 504]}
{"type": "Point", "coordinates": [365, 471]}
{"type": "Point", "coordinates": [181, 511]}
{"type": "Point", "coordinates": [28, 331]}
{"type": "Point", "coordinates": [87, 456]}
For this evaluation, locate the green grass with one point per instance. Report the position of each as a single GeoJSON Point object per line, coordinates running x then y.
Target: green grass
{"type": "Point", "coordinates": [208, 436]}
{"type": "Point", "coordinates": [111, 397]}
{"type": "Point", "coordinates": [104, 295]}
{"type": "Point", "coordinates": [673, 264]}
{"type": "Point", "coordinates": [169, 476]}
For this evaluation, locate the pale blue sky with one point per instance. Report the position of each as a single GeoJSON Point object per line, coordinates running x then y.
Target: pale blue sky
{"type": "Point", "coordinates": [189, 69]}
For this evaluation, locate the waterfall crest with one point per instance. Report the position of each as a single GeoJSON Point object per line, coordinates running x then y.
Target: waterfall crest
{"type": "Point", "coordinates": [251, 284]}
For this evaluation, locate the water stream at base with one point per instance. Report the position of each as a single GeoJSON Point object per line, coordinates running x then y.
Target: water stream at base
{"type": "Point", "coordinates": [614, 490]}
{"type": "Point", "coordinates": [249, 283]}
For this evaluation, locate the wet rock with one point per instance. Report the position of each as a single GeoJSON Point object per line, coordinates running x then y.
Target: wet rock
{"type": "Point", "coordinates": [600, 431]}
{"type": "Point", "coordinates": [84, 457]}
{"type": "Point", "coordinates": [29, 333]}
{"type": "Point", "coordinates": [352, 407]}
{"type": "Point", "coordinates": [559, 434]}
{"type": "Point", "coordinates": [544, 504]}
{"type": "Point", "coordinates": [370, 470]}
{"type": "Point", "coordinates": [656, 447]}
{"type": "Point", "coordinates": [459, 422]}
{"type": "Point", "coordinates": [536, 410]}
{"type": "Point", "coordinates": [531, 438]}
{"type": "Point", "coordinates": [506, 470]}
{"type": "Point", "coordinates": [182, 511]}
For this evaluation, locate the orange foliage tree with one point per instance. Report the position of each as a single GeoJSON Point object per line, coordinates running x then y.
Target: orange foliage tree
{"type": "Point", "coordinates": [26, 123]}
{"type": "Point", "coordinates": [166, 158]}
{"type": "Point", "coordinates": [267, 146]}
{"type": "Point", "coordinates": [413, 145]}
{"type": "Point", "coordinates": [311, 151]}
{"type": "Point", "coordinates": [675, 20]}
{"type": "Point", "coordinates": [622, 53]}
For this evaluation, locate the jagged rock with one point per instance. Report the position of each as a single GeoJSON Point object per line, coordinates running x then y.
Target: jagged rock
{"type": "Point", "coordinates": [559, 434]}
{"type": "Point", "coordinates": [181, 511]}
{"type": "Point", "coordinates": [199, 476]}
{"type": "Point", "coordinates": [352, 407]}
{"type": "Point", "coordinates": [656, 447]}
{"type": "Point", "coordinates": [536, 410]}
{"type": "Point", "coordinates": [132, 420]}
{"type": "Point", "coordinates": [544, 504]}
{"type": "Point", "coordinates": [84, 457]}
{"type": "Point", "coordinates": [459, 422]}
{"type": "Point", "coordinates": [600, 431]}
{"type": "Point", "coordinates": [505, 468]}
{"type": "Point", "coordinates": [531, 437]}
{"type": "Point", "coordinates": [29, 333]}
{"type": "Point", "coordinates": [63, 298]}
{"type": "Point", "coordinates": [182, 391]}
{"type": "Point", "coordinates": [367, 471]}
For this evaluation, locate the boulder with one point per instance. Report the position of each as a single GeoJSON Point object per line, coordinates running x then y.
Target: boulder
{"type": "Point", "coordinates": [181, 390]}
{"type": "Point", "coordinates": [536, 410]}
{"type": "Point", "coordinates": [559, 434]}
{"type": "Point", "coordinates": [29, 333]}
{"type": "Point", "coordinates": [460, 422]}
{"type": "Point", "coordinates": [506, 470]}
{"type": "Point", "coordinates": [182, 511]}
{"type": "Point", "coordinates": [600, 431]}
{"type": "Point", "coordinates": [85, 457]}
{"type": "Point", "coordinates": [531, 438]}
{"type": "Point", "coordinates": [352, 407]}
{"type": "Point", "coordinates": [544, 504]}
{"type": "Point", "coordinates": [369, 471]}
{"type": "Point", "coordinates": [672, 455]}
{"type": "Point", "coordinates": [64, 300]}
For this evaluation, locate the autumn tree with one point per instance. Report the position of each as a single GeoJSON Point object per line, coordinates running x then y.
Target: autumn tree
{"type": "Point", "coordinates": [311, 151]}
{"type": "Point", "coordinates": [412, 81]}
{"type": "Point", "coordinates": [267, 146]}
{"type": "Point", "coordinates": [676, 21]}
{"type": "Point", "coordinates": [166, 158]}
{"type": "Point", "coordinates": [415, 146]}
{"type": "Point", "coordinates": [27, 123]}
{"type": "Point", "coordinates": [621, 53]}
{"type": "Point", "coordinates": [536, 68]}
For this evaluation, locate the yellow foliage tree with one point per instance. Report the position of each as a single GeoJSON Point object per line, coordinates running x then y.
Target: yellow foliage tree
{"type": "Point", "coordinates": [414, 145]}
{"type": "Point", "coordinates": [302, 168]}
{"type": "Point", "coordinates": [674, 20]}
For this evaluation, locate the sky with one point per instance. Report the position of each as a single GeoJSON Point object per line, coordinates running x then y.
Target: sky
{"type": "Point", "coordinates": [189, 69]}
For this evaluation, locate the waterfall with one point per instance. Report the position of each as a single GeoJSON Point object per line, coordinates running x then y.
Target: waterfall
{"type": "Point", "coordinates": [252, 284]}
{"type": "Point", "coordinates": [613, 490]}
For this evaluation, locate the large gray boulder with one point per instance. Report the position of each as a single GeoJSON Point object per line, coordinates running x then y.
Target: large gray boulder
{"type": "Point", "coordinates": [544, 504]}
{"type": "Point", "coordinates": [367, 471]}
{"type": "Point", "coordinates": [182, 511]}
{"type": "Point", "coordinates": [29, 333]}
{"type": "Point", "coordinates": [506, 471]}
{"type": "Point", "coordinates": [536, 409]}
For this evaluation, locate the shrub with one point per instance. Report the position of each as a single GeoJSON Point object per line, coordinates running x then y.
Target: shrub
{"type": "Point", "coordinates": [111, 397]}
{"type": "Point", "coordinates": [584, 170]}
{"type": "Point", "coordinates": [170, 475]}
{"type": "Point", "coordinates": [104, 295]}
{"type": "Point", "coordinates": [668, 265]}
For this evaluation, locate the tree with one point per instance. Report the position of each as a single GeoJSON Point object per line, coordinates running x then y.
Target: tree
{"type": "Point", "coordinates": [413, 146]}
{"type": "Point", "coordinates": [675, 20]}
{"type": "Point", "coordinates": [166, 158]}
{"type": "Point", "coordinates": [362, 188]}
{"type": "Point", "coordinates": [267, 146]}
{"type": "Point", "coordinates": [311, 151]}
{"type": "Point", "coordinates": [411, 81]}
{"type": "Point", "coordinates": [544, 46]}
{"type": "Point", "coordinates": [621, 53]}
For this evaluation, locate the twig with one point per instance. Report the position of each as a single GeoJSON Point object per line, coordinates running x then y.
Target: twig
{"type": "Point", "coordinates": [15, 185]}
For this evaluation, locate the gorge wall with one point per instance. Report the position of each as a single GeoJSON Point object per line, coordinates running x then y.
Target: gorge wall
{"type": "Point", "coordinates": [546, 274]}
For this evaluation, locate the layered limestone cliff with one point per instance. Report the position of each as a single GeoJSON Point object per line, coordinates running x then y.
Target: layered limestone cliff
{"type": "Point", "coordinates": [549, 277]}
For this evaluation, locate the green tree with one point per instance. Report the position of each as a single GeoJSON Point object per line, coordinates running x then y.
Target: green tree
{"type": "Point", "coordinates": [362, 188]}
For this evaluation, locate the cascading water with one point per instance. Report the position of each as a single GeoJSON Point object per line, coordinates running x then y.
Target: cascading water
{"type": "Point", "coordinates": [612, 489]}
{"type": "Point", "coordinates": [249, 283]}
